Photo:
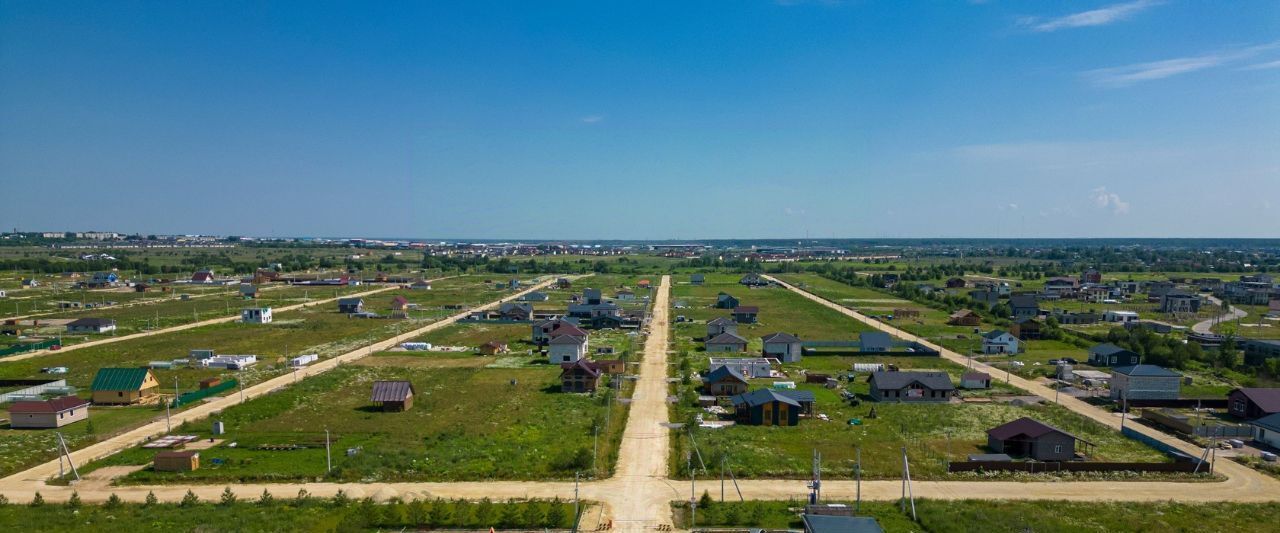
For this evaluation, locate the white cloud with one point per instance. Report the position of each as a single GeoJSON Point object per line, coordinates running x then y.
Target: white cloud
{"type": "Point", "coordinates": [793, 212]}
{"type": "Point", "coordinates": [592, 119]}
{"type": "Point", "coordinates": [1126, 75]}
{"type": "Point", "coordinates": [1263, 66]}
{"type": "Point", "coordinates": [1096, 17]}
{"type": "Point", "coordinates": [1102, 199]}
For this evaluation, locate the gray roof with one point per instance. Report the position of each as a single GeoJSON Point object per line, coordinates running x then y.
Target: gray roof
{"type": "Point", "coordinates": [1107, 349]}
{"type": "Point", "coordinates": [780, 337]}
{"type": "Point", "coordinates": [91, 322]}
{"type": "Point", "coordinates": [993, 334]}
{"type": "Point", "coordinates": [1023, 300]}
{"type": "Point", "coordinates": [727, 338]}
{"type": "Point", "coordinates": [391, 391]}
{"type": "Point", "coordinates": [763, 396]}
{"type": "Point", "coordinates": [350, 301]}
{"type": "Point", "coordinates": [722, 372]}
{"type": "Point", "coordinates": [1270, 422]}
{"type": "Point", "coordinates": [815, 523]}
{"type": "Point", "coordinates": [720, 321]}
{"type": "Point", "coordinates": [1146, 371]}
{"type": "Point", "coordinates": [898, 380]}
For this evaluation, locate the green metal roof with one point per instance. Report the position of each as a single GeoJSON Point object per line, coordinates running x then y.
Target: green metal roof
{"type": "Point", "coordinates": [119, 379]}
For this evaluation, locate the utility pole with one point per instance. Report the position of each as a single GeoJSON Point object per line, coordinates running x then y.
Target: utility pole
{"type": "Point", "coordinates": [67, 452]}
{"type": "Point", "coordinates": [595, 449]}
{"type": "Point", "coordinates": [240, 382]}
{"type": "Point", "coordinates": [575, 502]}
{"type": "Point", "coordinates": [906, 485]}
{"type": "Point", "coordinates": [168, 428]}
{"type": "Point", "coordinates": [693, 491]}
{"type": "Point", "coordinates": [857, 475]}
{"type": "Point", "coordinates": [328, 456]}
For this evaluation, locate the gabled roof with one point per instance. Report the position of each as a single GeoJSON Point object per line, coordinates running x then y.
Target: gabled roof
{"type": "Point", "coordinates": [994, 334]}
{"type": "Point", "coordinates": [723, 372]}
{"type": "Point", "coordinates": [975, 376]}
{"type": "Point", "coordinates": [55, 405]}
{"type": "Point", "coordinates": [720, 321]}
{"type": "Point", "coordinates": [780, 337]}
{"type": "Point", "coordinates": [1146, 371]}
{"type": "Point", "coordinates": [898, 380]}
{"type": "Point", "coordinates": [565, 328]}
{"type": "Point", "coordinates": [1024, 426]}
{"type": "Point", "coordinates": [1270, 422]}
{"type": "Point", "coordinates": [961, 313]}
{"type": "Point", "coordinates": [177, 454]}
{"type": "Point", "coordinates": [91, 322]}
{"type": "Point", "coordinates": [1266, 399]}
{"type": "Point", "coordinates": [726, 338]}
{"type": "Point", "coordinates": [399, 300]}
{"type": "Point", "coordinates": [391, 391]}
{"type": "Point", "coordinates": [119, 379]}
{"type": "Point", "coordinates": [583, 365]}
{"type": "Point", "coordinates": [568, 339]}
{"type": "Point", "coordinates": [1107, 349]}
{"type": "Point", "coordinates": [1023, 300]}
{"type": "Point", "coordinates": [350, 301]}
{"type": "Point", "coordinates": [763, 396]}
{"type": "Point", "coordinates": [749, 309]}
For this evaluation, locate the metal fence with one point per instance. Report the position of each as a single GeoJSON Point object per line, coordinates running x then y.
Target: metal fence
{"type": "Point", "coordinates": [201, 394]}
{"type": "Point", "coordinates": [23, 348]}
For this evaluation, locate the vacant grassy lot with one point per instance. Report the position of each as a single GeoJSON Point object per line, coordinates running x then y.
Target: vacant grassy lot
{"type": "Point", "coordinates": [467, 422]}
{"type": "Point", "coordinates": [939, 516]}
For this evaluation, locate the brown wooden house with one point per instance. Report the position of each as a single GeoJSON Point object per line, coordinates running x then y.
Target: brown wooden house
{"type": "Point", "coordinates": [392, 396]}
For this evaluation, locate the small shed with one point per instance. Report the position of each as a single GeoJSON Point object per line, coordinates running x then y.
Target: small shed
{"type": "Point", "coordinates": [975, 380]}
{"type": "Point", "coordinates": [177, 461]}
{"type": "Point", "coordinates": [392, 396]}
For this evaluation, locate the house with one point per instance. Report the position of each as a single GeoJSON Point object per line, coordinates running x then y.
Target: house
{"type": "Point", "coordinates": [392, 396]}
{"type": "Point", "coordinates": [579, 376]}
{"type": "Point", "coordinates": [30, 283]}
{"type": "Point", "coordinates": [123, 386]}
{"type": "Point", "coordinates": [1145, 382]}
{"type": "Point", "coordinates": [1266, 430]}
{"type": "Point", "coordinates": [1273, 307]}
{"type": "Point", "coordinates": [986, 297]}
{"type": "Point", "coordinates": [1251, 403]}
{"type": "Point", "coordinates": [563, 283]}
{"type": "Point", "coordinates": [956, 283]}
{"type": "Point", "coordinates": [1111, 355]}
{"type": "Point", "coordinates": [725, 380]}
{"type": "Point", "coordinates": [822, 523]}
{"type": "Point", "coordinates": [726, 301]}
{"type": "Point", "coordinates": [420, 285]}
{"type": "Point", "coordinates": [1061, 286]}
{"type": "Point", "coordinates": [351, 305]}
{"type": "Point", "coordinates": [1026, 329]}
{"type": "Point", "coordinates": [607, 322]}
{"type": "Point", "coordinates": [591, 296]}
{"type": "Point", "coordinates": [544, 330]}
{"type": "Point", "coordinates": [1121, 317]}
{"type": "Point", "coordinates": [1068, 318]}
{"type": "Point", "coordinates": [256, 315]}
{"type": "Point", "coordinates": [749, 367]}
{"type": "Point", "coordinates": [1258, 350]}
{"type": "Point", "coordinates": [753, 280]}
{"type": "Point", "coordinates": [745, 314]}
{"type": "Point", "coordinates": [1179, 302]}
{"type": "Point", "coordinates": [535, 296]}
{"type": "Point", "coordinates": [906, 313]}
{"type": "Point", "coordinates": [48, 414]}
{"type": "Point", "coordinates": [975, 380]}
{"type": "Point", "coordinates": [964, 317]}
{"type": "Point", "coordinates": [874, 341]}
{"type": "Point", "coordinates": [998, 341]}
{"type": "Point", "coordinates": [566, 349]}
{"type": "Point", "coordinates": [726, 342]}
{"type": "Point", "coordinates": [91, 325]}
{"type": "Point", "coordinates": [1026, 437]}
{"type": "Point", "coordinates": [697, 279]}
{"type": "Point", "coordinates": [1091, 275]}
{"type": "Point", "coordinates": [515, 311]}
{"type": "Point", "coordinates": [203, 276]}
{"type": "Point", "coordinates": [719, 325]}
{"type": "Point", "coordinates": [610, 366]}
{"type": "Point", "coordinates": [493, 348]}
{"type": "Point", "coordinates": [399, 303]}
{"type": "Point", "coordinates": [911, 386]}
{"type": "Point", "coordinates": [102, 279]}
{"type": "Point", "coordinates": [625, 295]}
{"type": "Point", "coordinates": [784, 346]}
{"type": "Point", "coordinates": [1024, 306]}
{"type": "Point", "coordinates": [772, 407]}
{"type": "Point", "coordinates": [176, 461]}
{"type": "Point", "coordinates": [248, 290]}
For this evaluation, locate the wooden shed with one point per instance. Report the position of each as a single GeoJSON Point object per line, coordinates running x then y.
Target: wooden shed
{"type": "Point", "coordinates": [392, 396]}
{"type": "Point", "coordinates": [177, 461]}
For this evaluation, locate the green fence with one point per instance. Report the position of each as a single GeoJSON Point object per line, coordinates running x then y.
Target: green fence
{"type": "Point", "coordinates": [28, 347]}
{"type": "Point", "coordinates": [201, 394]}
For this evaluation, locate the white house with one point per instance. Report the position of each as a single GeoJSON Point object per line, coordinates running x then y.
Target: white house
{"type": "Point", "coordinates": [1122, 317]}
{"type": "Point", "coordinates": [1267, 430]}
{"type": "Point", "coordinates": [999, 341]}
{"type": "Point", "coordinates": [256, 315]}
{"type": "Point", "coordinates": [566, 349]}
{"type": "Point", "coordinates": [785, 346]}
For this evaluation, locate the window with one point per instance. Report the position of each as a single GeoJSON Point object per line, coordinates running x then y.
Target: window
{"type": "Point", "coordinates": [1057, 448]}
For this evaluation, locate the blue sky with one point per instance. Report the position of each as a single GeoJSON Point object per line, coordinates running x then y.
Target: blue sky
{"type": "Point", "coordinates": [659, 120]}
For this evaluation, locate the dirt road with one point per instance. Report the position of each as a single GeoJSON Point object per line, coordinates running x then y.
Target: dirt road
{"type": "Point", "coordinates": [219, 320]}
{"type": "Point", "coordinates": [34, 477]}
